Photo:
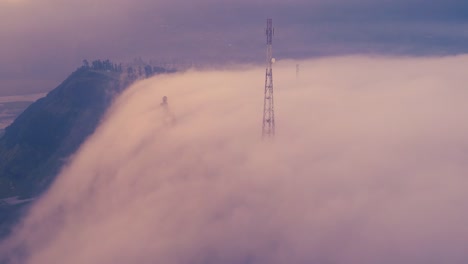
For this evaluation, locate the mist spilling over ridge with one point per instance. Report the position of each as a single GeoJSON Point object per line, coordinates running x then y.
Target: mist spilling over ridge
{"type": "Point", "coordinates": [368, 166]}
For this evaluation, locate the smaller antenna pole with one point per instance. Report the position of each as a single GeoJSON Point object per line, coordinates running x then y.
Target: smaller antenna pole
{"type": "Point", "coordinates": [268, 127]}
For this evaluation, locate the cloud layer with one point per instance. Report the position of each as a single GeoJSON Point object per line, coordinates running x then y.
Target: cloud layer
{"type": "Point", "coordinates": [368, 166]}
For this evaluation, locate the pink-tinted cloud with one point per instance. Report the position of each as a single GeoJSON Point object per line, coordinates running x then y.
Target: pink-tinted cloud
{"type": "Point", "coordinates": [368, 166]}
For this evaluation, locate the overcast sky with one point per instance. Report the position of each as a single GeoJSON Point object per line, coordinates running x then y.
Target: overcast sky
{"type": "Point", "coordinates": [43, 41]}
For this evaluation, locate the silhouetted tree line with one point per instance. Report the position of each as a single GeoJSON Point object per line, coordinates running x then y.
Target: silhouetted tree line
{"type": "Point", "coordinates": [146, 71]}
{"type": "Point", "coordinates": [138, 70]}
{"type": "Point", "coordinates": [102, 65]}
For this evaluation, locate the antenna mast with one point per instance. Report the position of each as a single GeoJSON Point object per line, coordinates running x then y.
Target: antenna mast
{"type": "Point", "coordinates": [268, 128]}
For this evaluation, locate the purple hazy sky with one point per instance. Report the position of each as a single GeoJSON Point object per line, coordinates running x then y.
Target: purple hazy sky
{"type": "Point", "coordinates": [43, 41]}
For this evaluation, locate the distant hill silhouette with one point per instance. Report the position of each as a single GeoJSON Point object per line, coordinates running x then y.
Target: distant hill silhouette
{"type": "Point", "coordinates": [36, 145]}
{"type": "Point", "coordinates": [40, 141]}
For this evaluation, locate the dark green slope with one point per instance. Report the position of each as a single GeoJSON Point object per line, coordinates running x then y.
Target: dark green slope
{"type": "Point", "coordinates": [37, 143]}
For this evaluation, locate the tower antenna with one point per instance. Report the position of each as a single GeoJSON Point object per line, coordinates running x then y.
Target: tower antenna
{"type": "Point", "coordinates": [268, 128]}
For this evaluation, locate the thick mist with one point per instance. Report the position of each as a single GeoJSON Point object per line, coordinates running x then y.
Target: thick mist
{"type": "Point", "coordinates": [368, 166]}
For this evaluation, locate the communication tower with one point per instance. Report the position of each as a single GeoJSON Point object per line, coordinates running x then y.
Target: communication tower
{"type": "Point", "coordinates": [268, 128]}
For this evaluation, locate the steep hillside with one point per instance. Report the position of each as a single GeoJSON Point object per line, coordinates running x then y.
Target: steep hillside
{"type": "Point", "coordinates": [38, 142]}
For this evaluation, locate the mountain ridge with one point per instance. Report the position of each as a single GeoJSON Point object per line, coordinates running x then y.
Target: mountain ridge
{"type": "Point", "coordinates": [36, 145]}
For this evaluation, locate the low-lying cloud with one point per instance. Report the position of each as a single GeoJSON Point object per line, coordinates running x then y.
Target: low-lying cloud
{"type": "Point", "coordinates": [368, 166]}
